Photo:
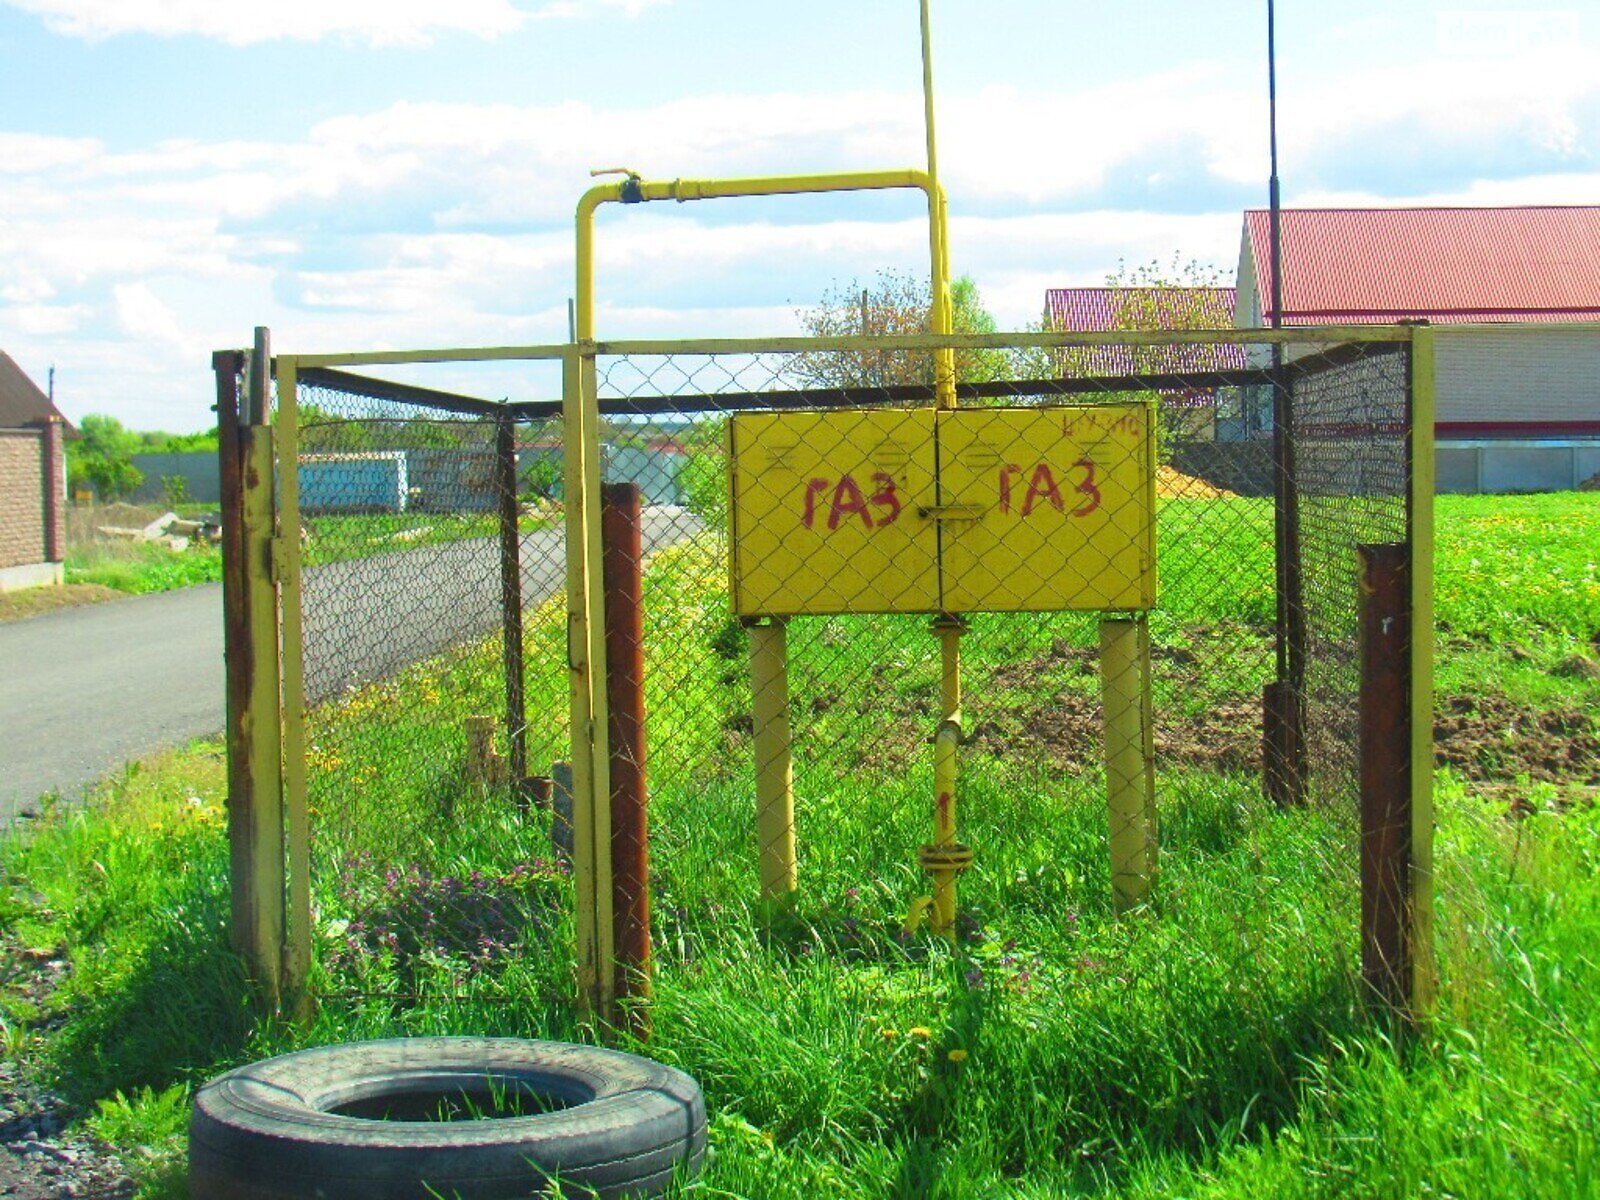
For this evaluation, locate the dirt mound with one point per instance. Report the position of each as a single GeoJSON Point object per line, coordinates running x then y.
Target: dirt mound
{"type": "Point", "coordinates": [1173, 484]}
{"type": "Point", "coordinates": [1487, 739]}
{"type": "Point", "coordinates": [1068, 733]}
{"type": "Point", "coordinates": [1490, 739]}
{"type": "Point", "coordinates": [1591, 484]}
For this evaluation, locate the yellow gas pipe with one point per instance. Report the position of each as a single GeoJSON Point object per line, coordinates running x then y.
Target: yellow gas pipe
{"type": "Point", "coordinates": [945, 858]}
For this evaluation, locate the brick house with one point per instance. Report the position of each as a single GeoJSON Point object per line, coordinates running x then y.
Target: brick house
{"type": "Point", "coordinates": [1518, 389]}
{"type": "Point", "coordinates": [33, 482]}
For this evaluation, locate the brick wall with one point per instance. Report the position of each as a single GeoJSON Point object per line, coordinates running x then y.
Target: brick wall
{"type": "Point", "coordinates": [22, 496]}
{"type": "Point", "coordinates": [1518, 373]}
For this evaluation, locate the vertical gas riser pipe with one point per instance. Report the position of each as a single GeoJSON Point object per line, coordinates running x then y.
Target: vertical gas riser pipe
{"type": "Point", "coordinates": [621, 577]}
{"type": "Point", "coordinates": [945, 858]}
{"type": "Point", "coordinates": [505, 478]}
{"type": "Point", "coordinates": [1130, 759]}
{"type": "Point", "coordinates": [1384, 715]}
{"type": "Point", "coordinates": [769, 683]}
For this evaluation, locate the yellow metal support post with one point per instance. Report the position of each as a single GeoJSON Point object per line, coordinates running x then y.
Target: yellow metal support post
{"type": "Point", "coordinates": [1130, 758]}
{"type": "Point", "coordinates": [1424, 973]}
{"type": "Point", "coordinates": [586, 658]}
{"type": "Point", "coordinates": [769, 682]}
{"type": "Point", "coordinates": [297, 819]}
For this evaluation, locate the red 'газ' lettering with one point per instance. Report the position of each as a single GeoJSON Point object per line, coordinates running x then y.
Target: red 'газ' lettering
{"type": "Point", "coordinates": [813, 488]}
{"type": "Point", "coordinates": [885, 497]}
{"type": "Point", "coordinates": [848, 501]}
{"type": "Point", "coordinates": [1042, 487]}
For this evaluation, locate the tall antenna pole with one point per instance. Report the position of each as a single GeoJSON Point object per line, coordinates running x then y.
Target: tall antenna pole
{"type": "Point", "coordinates": [1275, 210]}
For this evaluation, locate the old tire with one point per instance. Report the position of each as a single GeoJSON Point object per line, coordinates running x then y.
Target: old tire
{"type": "Point", "coordinates": [350, 1121]}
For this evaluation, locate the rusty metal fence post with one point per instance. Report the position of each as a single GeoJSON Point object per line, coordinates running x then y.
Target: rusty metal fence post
{"type": "Point", "coordinates": [250, 638]}
{"type": "Point", "coordinates": [621, 573]}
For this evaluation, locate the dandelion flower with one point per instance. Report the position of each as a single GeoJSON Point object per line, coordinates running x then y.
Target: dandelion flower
{"type": "Point", "coordinates": [886, 1034]}
{"type": "Point", "coordinates": [957, 1056]}
{"type": "Point", "coordinates": [921, 1031]}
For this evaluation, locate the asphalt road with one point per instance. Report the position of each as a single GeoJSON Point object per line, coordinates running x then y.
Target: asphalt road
{"type": "Point", "coordinates": [85, 690]}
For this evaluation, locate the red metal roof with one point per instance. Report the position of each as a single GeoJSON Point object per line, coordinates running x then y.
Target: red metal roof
{"type": "Point", "coordinates": [1448, 265]}
{"type": "Point", "coordinates": [1105, 309]}
{"type": "Point", "coordinates": [1100, 309]}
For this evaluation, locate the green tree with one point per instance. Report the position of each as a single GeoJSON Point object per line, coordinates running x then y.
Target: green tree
{"type": "Point", "coordinates": [896, 303]}
{"type": "Point", "coordinates": [159, 442]}
{"type": "Point", "coordinates": [102, 458]}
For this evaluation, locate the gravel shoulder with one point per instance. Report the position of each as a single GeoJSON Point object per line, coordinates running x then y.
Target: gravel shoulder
{"type": "Point", "coordinates": [44, 1153]}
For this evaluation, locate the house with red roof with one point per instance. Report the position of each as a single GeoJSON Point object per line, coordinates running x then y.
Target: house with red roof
{"type": "Point", "coordinates": [1104, 309]}
{"type": "Point", "coordinates": [1518, 389]}
{"type": "Point", "coordinates": [33, 482]}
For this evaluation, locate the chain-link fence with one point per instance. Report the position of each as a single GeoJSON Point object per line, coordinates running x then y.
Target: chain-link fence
{"type": "Point", "coordinates": [1015, 642]}
{"type": "Point", "coordinates": [851, 513]}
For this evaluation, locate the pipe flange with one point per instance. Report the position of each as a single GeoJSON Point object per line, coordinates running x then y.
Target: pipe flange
{"type": "Point", "coordinates": [951, 857]}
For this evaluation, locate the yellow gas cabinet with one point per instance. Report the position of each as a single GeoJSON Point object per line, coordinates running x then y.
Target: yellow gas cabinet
{"type": "Point", "coordinates": [970, 510]}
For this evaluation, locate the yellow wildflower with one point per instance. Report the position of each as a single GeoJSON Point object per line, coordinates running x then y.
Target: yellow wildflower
{"type": "Point", "coordinates": [886, 1034]}
{"type": "Point", "coordinates": [957, 1056]}
{"type": "Point", "coordinates": [921, 1031]}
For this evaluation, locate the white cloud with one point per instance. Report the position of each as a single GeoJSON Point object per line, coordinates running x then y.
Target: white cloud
{"type": "Point", "coordinates": [435, 224]}
{"type": "Point", "coordinates": [50, 320]}
{"type": "Point", "coordinates": [572, 9]}
{"type": "Point", "coordinates": [377, 22]}
{"type": "Point", "coordinates": [243, 22]}
{"type": "Point", "coordinates": [26, 153]}
{"type": "Point", "coordinates": [143, 314]}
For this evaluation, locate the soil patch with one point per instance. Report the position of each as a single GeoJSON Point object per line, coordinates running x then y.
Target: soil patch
{"type": "Point", "coordinates": [31, 602]}
{"type": "Point", "coordinates": [1067, 733]}
{"type": "Point", "coordinates": [1486, 738]}
{"type": "Point", "coordinates": [1490, 739]}
{"type": "Point", "coordinates": [1048, 710]}
{"type": "Point", "coordinates": [1173, 484]}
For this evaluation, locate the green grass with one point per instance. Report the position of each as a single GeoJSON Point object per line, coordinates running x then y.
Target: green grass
{"type": "Point", "coordinates": [1214, 1045]}
{"type": "Point", "coordinates": [141, 567]}
{"type": "Point", "coordinates": [1518, 596]}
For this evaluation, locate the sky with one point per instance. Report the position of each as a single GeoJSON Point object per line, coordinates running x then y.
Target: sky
{"type": "Point", "coordinates": [373, 174]}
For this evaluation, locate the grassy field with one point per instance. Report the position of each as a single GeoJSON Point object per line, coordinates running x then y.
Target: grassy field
{"type": "Point", "coordinates": [1213, 1045]}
